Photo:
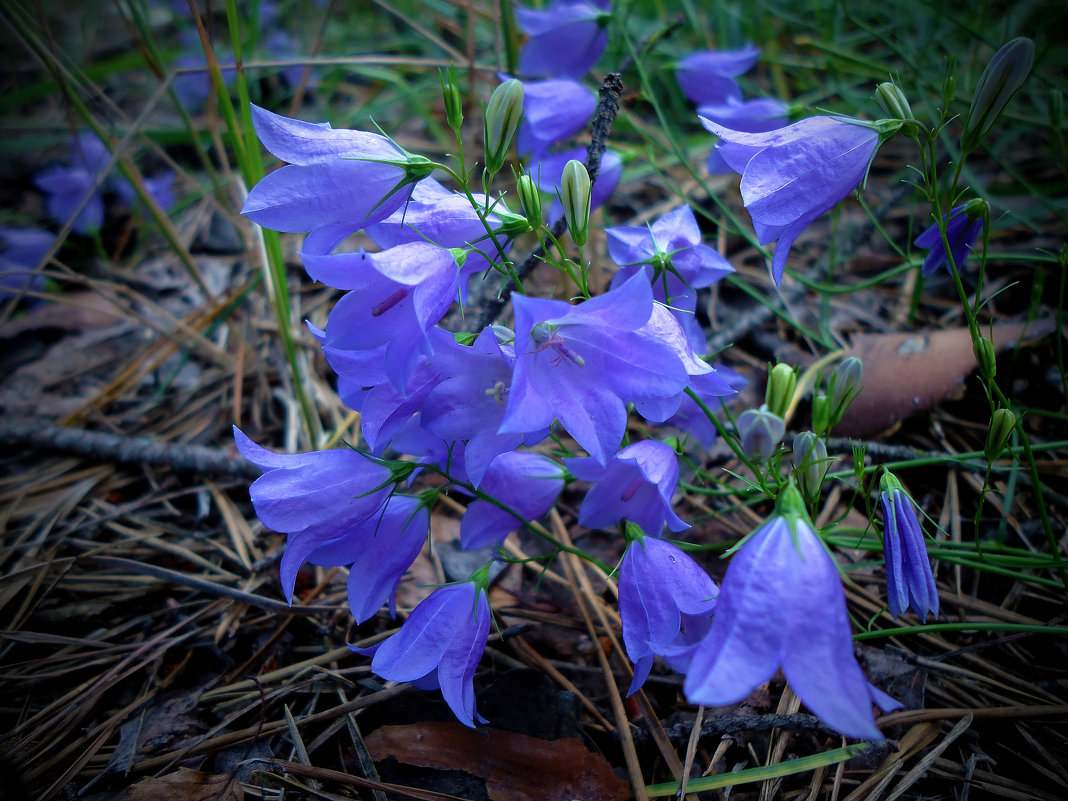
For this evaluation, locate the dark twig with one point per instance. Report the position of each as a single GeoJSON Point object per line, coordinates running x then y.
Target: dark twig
{"type": "Point", "coordinates": [730, 724]}
{"type": "Point", "coordinates": [104, 446]}
{"type": "Point", "coordinates": [607, 109]}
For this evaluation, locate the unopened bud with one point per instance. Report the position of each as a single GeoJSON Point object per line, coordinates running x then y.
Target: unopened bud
{"type": "Point", "coordinates": [761, 431]}
{"type": "Point", "coordinates": [843, 388]}
{"type": "Point", "coordinates": [529, 200]}
{"type": "Point", "coordinates": [891, 98]}
{"type": "Point", "coordinates": [511, 225]}
{"type": "Point", "coordinates": [949, 82]}
{"type": "Point", "coordinates": [450, 93]}
{"type": "Point", "coordinates": [575, 198]}
{"type": "Point", "coordinates": [501, 119]}
{"type": "Point", "coordinates": [1002, 423]}
{"type": "Point", "coordinates": [809, 459]}
{"type": "Point", "coordinates": [985, 357]}
{"type": "Point", "coordinates": [821, 413]}
{"type": "Point", "coordinates": [1003, 76]}
{"type": "Point", "coordinates": [782, 382]}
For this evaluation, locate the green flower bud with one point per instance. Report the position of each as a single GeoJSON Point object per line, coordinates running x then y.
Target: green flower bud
{"type": "Point", "coordinates": [782, 381]}
{"type": "Point", "coordinates": [530, 200]}
{"type": "Point", "coordinates": [985, 357]}
{"type": "Point", "coordinates": [1002, 423]}
{"type": "Point", "coordinates": [450, 93]}
{"type": "Point", "coordinates": [501, 121]}
{"type": "Point", "coordinates": [511, 225]}
{"type": "Point", "coordinates": [891, 98]}
{"type": "Point", "coordinates": [575, 197]}
{"type": "Point", "coordinates": [843, 388]}
{"type": "Point", "coordinates": [821, 414]}
{"type": "Point", "coordinates": [949, 82]}
{"type": "Point", "coordinates": [809, 459]}
{"type": "Point", "coordinates": [1003, 76]}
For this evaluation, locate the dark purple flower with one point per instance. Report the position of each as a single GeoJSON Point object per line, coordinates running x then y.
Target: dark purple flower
{"type": "Point", "coordinates": [962, 230]}
{"type": "Point", "coordinates": [67, 185]}
{"type": "Point", "coordinates": [909, 578]}
{"type": "Point", "coordinates": [636, 485]}
{"type": "Point", "coordinates": [781, 604]}
{"type": "Point", "coordinates": [440, 645]}
{"type": "Point", "coordinates": [795, 174]}
{"type": "Point", "coordinates": [315, 498]}
{"type": "Point", "coordinates": [583, 364]}
{"type": "Point", "coordinates": [707, 76]}
{"type": "Point", "coordinates": [566, 38]}
{"type": "Point", "coordinates": [665, 605]}
{"type": "Point", "coordinates": [333, 177]}
{"type": "Point", "coordinates": [553, 111]}
{"type": "Point", "coordinates": [527, 483]}
{"type": "Point", "coordinates": [22, 250]}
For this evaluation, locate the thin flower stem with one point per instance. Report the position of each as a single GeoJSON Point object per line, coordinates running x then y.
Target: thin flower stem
{"type": "Point", "coordinates": [931, 628]}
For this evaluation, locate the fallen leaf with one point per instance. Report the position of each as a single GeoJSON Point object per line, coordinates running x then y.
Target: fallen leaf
{"type": "Point", "coordinates": [514, 766]}
{"type": "Point", "coordinates": [186, 784]}
{"type": "Point", "coordinates": [909, 373]}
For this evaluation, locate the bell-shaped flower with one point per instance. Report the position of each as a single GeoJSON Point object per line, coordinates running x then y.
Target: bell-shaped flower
{"type": "Point", "coordinates": [333, 177]}
{"type": "Point", "coordinates": [384, 409]}
{"type": "Point", "coordinates": [760, 431]}
{"type": "Point", "coordinates": [583, 364]}
{"type": "Point", "coordinates": [315, 498]}
{"type": "Point", "coordinates": [21, 250]}
{"type": "Point", "coordinates": [527, 483]}
{"type": "Point", "coordinates": [781, 604]}
{"type": "Point", "coordinates": [566, 38]}
{"type": "Point", "coordinates": [665, 604]}
{"type": "Point", "coordinates": [722, 382]}
{"type": "Point", "coordinates": [751, 116]}
{"type": "Point", "coordinates": [909, 578]}
{"type": "Point", "coordinates": [635, 485]}
{"type": "Point", "coordinates": [795, 174]}
{"type": "Point", "coordinates": [440, 645]}
{"type": "Point", "coordinates": [963, 227]}
{"type": "Point", "coordinates": [707, 76]}
{"type": "Point", "coordinates": [379, 550]}
{"type": "Point", "coordinates": [553, 111]}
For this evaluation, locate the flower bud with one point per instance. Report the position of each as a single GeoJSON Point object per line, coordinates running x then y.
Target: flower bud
{"type": "Point", "coordinates": [985, 357]}
{"type": "Point", "coordinates": [809, 459]}
{"type": "Point", "coordinates": [782, 381]}
{"type": "Point", "coordinates": [1003, 76]}
{"type": "Point", "coordinates": [450, 93]}
{"type": "Point", "coordinates": [511, 224]}
{"type": "Point", "coordinates": [843, 388]}
{"type": "Point", "coordinates": [530, 200]}
{"type": "Point", "coordinates": [761, 431]}
{"type": "Point", "coordinates": [821, 413]}
{"type": "Point", "coordinates": [501, 119]}
{"type": "Point", "coordinates": [949, 82]}
{"type": "Point", "coordinates": [1002, 423]}
{"type": "Point", "coordinates": [893, 100]}
{"type": "Point", "coordinates": [575, 197]}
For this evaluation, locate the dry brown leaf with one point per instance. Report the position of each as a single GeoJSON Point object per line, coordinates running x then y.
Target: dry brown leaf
{"type": "Point", "coordinates": [908, 373]}
{"type": "Point", "coordinates": [515, 767]}
{"type": "Point", "coordinates": [186, 784]}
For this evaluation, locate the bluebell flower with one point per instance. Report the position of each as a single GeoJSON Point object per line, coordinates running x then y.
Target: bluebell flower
{"type": "Point", "coordinates": [566, 38]}
{"type": "Point", "coordinates": [722, 382]}
{"type": "Point", "coordinates": [21, 250]}
{"type": "Point", "coordinates": [665, 605]}
{"type": "Point", "coordinates": [636, 485]}
{"type": "Point", "coordinates": [794, 175]}
{"type": "Point", "coordinates": [761, 431]}
{"type": "Point", "coordinates": [752, 116]}
{"type": "Point", "coordinates": [527, 483]}
{"type": "Point", "coordinates": [909, 578]}
{"type": "Point", "coordinates": [439, 645]}
{"type": "Point", "coordinates": [962, 229]}
{"type": "Point", "coordinates": [781, 604]}
{"type": "Point", "coordinates": [553, 111]}
{"type": "Point", "coordinates": [707, 76]}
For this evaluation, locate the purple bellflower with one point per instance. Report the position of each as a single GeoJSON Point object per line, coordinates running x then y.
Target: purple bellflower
{"type": "Point", "coordinates": [583, 364]}
{"type": "Point", "coordinates": [665, 604]}
{"type": "Point", "coordinates": [21, 250]}
{"type": "Point", "coordinates": [315, 498]}
{"type": "Point", "coordinates": [636, 485]}
{"type": "Point", "coordinates": [528, 483]}
{"type": "Point", "coordinates": [962, 229]}
{"type": "Point", "coordinates": [566, 38]}
{"type": "Point", "coordinates": [342, 178]}
{"type": "Point", "coordinates": [722, 382]}
{"type": "Point", "coordinates": [795, 174]}
{"type": "Point", "coordinates": [553, 111]}
{"type": "Point", "coordinates": [707, 76]}
{"type": "Point", "coordinates": [439, 645]}
{"type": "Point", "coordinates": [750, 116]}
{"type": "Point", "coordinates": [909, 578]}
{"type": "Point", "coordinates": [781, 604]}
{"type": "Point", "coordinates": [67, 185]}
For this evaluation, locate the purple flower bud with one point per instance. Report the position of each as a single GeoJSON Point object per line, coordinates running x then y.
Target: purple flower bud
{"type": "Point", "coordinates": [781, 604]}
{"type": "Point", "coordinates": [795, 174]}
{"type": "Point", "coordinates": [440, 645]}
{"type": "Point", "coordinates": [963, 227]}
{"type": "Point", "coordinates": [706, 76]}
{"type": "Point", "coordinates": [527, 483]}
{"type": "Point", "coordinates": [909, 579]}
{"type": "Point", "coordinates": [566, 38]}
{"type": "Point", "coordinates": [665, 605]}
{"type": "Point", "coordinates": [761, 432]}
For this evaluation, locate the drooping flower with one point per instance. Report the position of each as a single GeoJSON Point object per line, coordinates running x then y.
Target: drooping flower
{"type": "Point", "coordinates": [527, 483]}
{"type": "Point", "coordinates": [707, 76]}
{"type": "Point", "coordinates": [553, 111]}
{"type": "Point", "coordinates": [909, 578]}
{"type": "Point", "coordinates": [665, 604]}
{"type": "Point", "coordinates": [440, 645]}
{"type": "Point", "coordinates": [963, 227]}
{"type": "Point", "coordinates": [636, 485]}
{"type": "Point", "coordinates": [794, 175]}
{"type": "Point", "coordinates": [566, 38]}
{"type": "Point", "coordinates": [781, 604]}
{"type": "Point", "coordinates": [753, 116]}
{"type": "Point", "coordinates": [333, 177]}
{"type": "Point", "coordinates": [315, 498]}
{"type": "Point", "coordinates": [583, 364]}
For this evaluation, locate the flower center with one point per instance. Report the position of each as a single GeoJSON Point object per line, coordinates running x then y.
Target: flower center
{"type": "Point", "coordinates": [498, 392]}
{"type": "Point", "coordinates": [546, 335]}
